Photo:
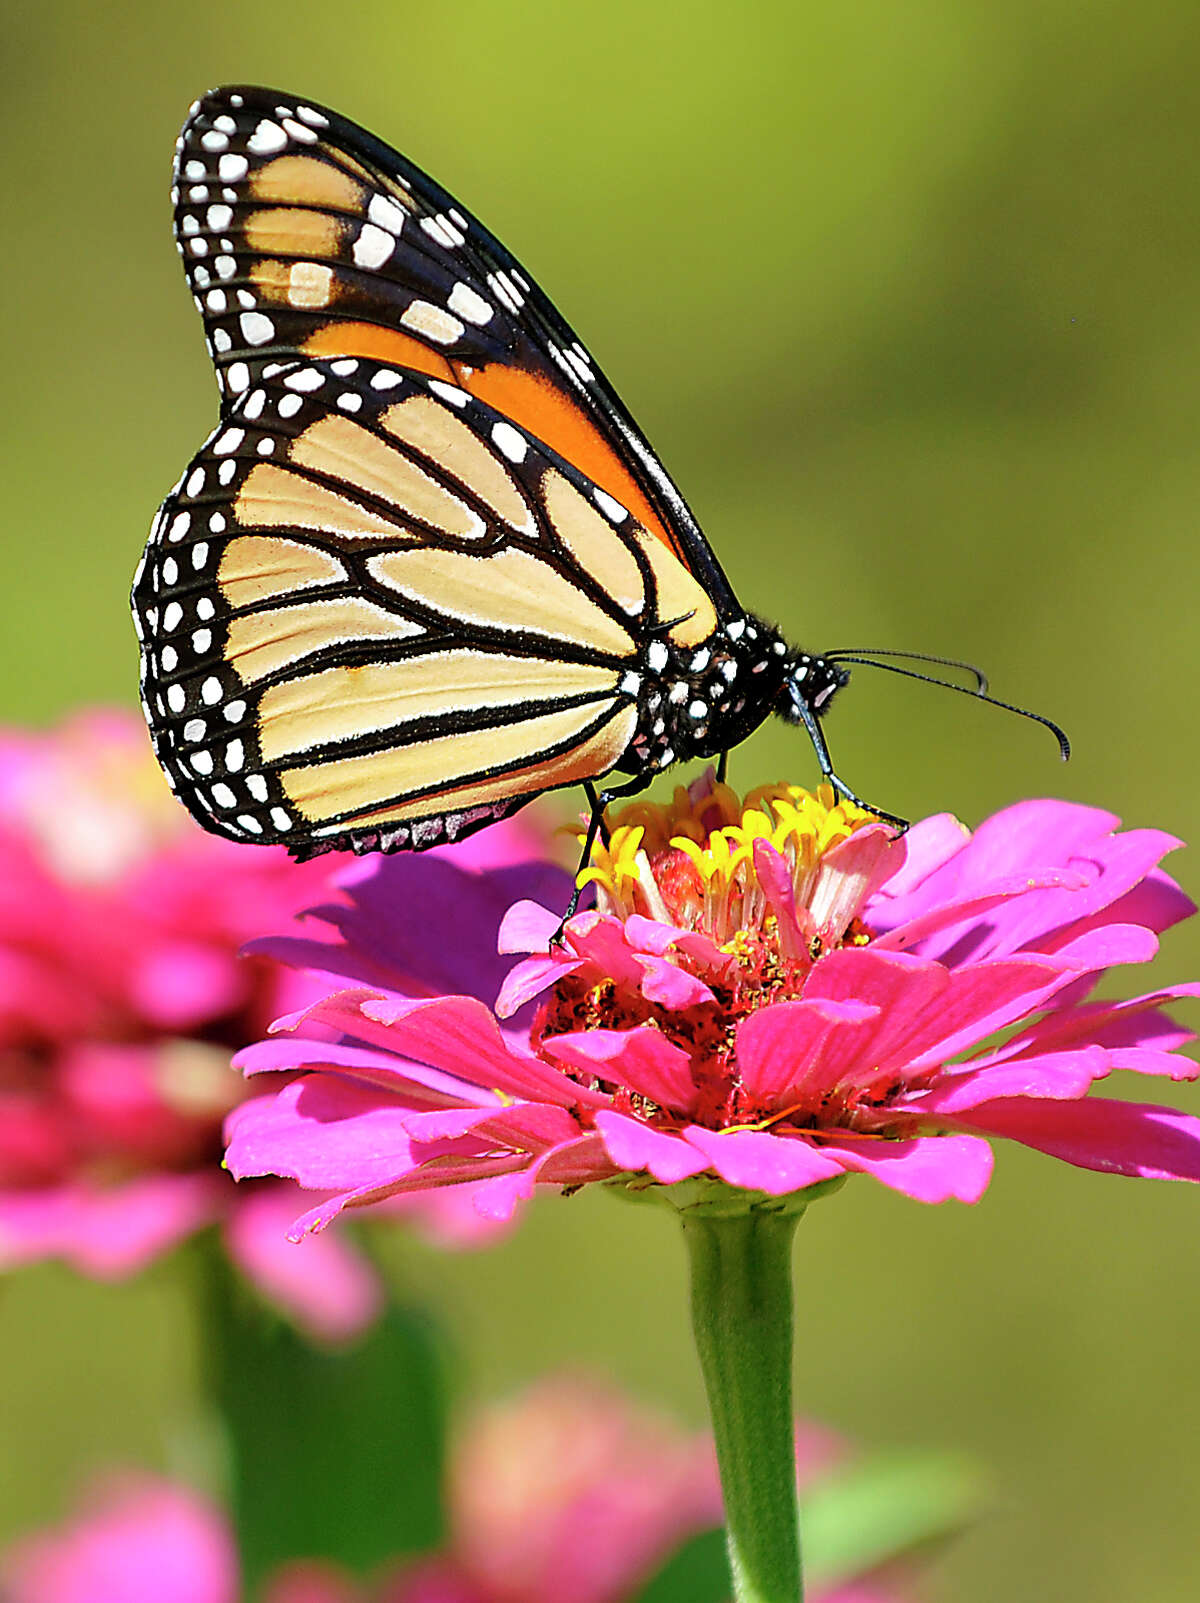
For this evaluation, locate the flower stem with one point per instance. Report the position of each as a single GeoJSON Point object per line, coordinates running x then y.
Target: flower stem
{"type": "Point", "coordinates": [742, 1318]}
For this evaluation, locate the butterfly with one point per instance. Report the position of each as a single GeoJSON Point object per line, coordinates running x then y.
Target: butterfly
{"type": "Point", "coordinates": [426, 567]}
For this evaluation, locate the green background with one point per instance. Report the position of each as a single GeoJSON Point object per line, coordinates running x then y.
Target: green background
{"type": "Point", "coordinates": [908, 296]}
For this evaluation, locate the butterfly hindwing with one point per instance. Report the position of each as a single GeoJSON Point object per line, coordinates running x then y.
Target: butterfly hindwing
{"type": "Point", "coordinates": [377, 612]}
{"type": "Point", "coordinates": [303, 236]}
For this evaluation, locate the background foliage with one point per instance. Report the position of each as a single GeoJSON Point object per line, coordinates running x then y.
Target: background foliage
{"type": "Point", "coordinates": [908, 299]}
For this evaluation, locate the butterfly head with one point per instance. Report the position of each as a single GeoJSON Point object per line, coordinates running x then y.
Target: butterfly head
{"type": "Point", "coordinates": [809, 686]}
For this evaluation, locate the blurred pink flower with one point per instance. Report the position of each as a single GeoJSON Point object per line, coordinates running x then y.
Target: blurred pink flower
{"type": "Point", "coordinates": [122, 995]}
{"type": "Point", "coordinates": [137, 1540]}
{"type": "Point", "coordinates": [568, 1494]}
{"type": "Point", "coordinates": [773, 995]}
{"type": "Point", "coordinates": [571, 1494]}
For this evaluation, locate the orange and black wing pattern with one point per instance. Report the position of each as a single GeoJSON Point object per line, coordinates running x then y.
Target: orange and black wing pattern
{"type": "Point", "coordinates": [376, 614]}
{"type": "Point", "coordinates": [426, 567]}
{"type": "Point", "coordinates": [303, 235]}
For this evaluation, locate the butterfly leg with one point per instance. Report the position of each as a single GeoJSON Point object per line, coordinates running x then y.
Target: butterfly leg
{"type": "Point", "coordinates": [722, 767]}
{"type": "Point", "coordinates": [815, 733]}
{"type": "Point", "coordinates": [600, 801]}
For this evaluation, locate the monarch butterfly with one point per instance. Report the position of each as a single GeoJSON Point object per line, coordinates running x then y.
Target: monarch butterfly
{"type": "Point", "coordinates": [426, 567]}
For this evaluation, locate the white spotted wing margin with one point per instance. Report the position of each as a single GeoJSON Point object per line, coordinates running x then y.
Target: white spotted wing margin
{"type": "Point", "coordinates": [375, 615]}
{"type": "Point", "coordinates": [302, 234]}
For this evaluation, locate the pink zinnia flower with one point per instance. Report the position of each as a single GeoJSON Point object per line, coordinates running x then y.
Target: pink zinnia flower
{"type": "Point", "coordinates": [122, 995]}
{"type": "Point", "coordinates": [568, 1494]}
{"type": "Point", "coordinates": [770, 996]}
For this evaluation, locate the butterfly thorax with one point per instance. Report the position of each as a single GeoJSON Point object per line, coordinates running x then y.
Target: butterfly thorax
{"type": "Point", "coordinates": [699, 700]}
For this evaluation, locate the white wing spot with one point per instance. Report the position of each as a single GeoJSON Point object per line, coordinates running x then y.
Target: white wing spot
{"type": "Point", "coordinates": [266, 138]}
{"type": "Point", "coordinates": [238, 377]}
{"type": "Point", "coordinates": [220, 217]}
{"type": "Point", "coordinates": [229, 441]}
{"type": "Point", "coordinates": [464, 301]}
{"type": "Point", "coordinates": [509, 441]}
{"type": "Point", "coordinates": [449, 392]}
{"type": "Point", "coordinates": [385, 212]}
{"type": "Point", "coordinates": [299, 131]}
{"type": "Point", "coordinates": [373, 246]}
{"type": "Point", "coordinates": [256, 329]}
{"type": "Point", "coordinates": [308, 378]}
{"type": "Point", "coordinates": [613, 510]}
{"type": "Point", "coordinates": [433, 322]}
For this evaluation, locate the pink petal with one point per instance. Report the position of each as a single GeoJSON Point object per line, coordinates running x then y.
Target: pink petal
{"type": "Point", "coordinates": [642, 1059]}
{"type": "Point", "coordinates": [460, 1036]}
{"type": "Point", "coordinates": [414, 1083]}
{"type": "Point", "coordinates": [780, 1048]}
{"type": "Point", "coordinates": [1099, 1133]}
{"type": "Point", "coordinates": [850, 873]}
{"type": "Point", "coordinates": [323, 1284]}
{"type": "Point", "coordinates": [142, 1541]}
{"type": "Point", "coordinates": [635, 1146]}
{"type": "Point", "coordinates": [528, 980]}
{"type": "Point", "coordinates": [667, 985]}
{"type": "Point", "coordinates": [1105, 948]}
{"type": "Point", "coordinates": [323, 1131]}
{"type": "Point", "coordinates": [108, 1232]}
{"type": "Point", "coordinates": [1059, 1075]}
{"type": "Point", "coordinates": [527, 927]}
{"type": "Point", "coordinates": [759, 1161]}
{"type": "Point", "coordinates": [927, 1168]}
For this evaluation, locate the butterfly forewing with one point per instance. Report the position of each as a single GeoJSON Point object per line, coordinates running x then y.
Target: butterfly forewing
{"type": "Point", "coordinates": [375, 612]}
{"type": "Point", "coordinates": [304, 236]}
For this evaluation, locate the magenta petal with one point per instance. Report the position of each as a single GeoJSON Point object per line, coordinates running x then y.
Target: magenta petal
{"type": "Point", "coordinates": [635, 1147]}
{"type": "Point", "coordinates": [415, 1084]}
{"type": "Point", "coordinates": [1060, 1076]}
{"type": "Point", "coordinates": [460, 1036]}
{"type": "Point", "coordinates": [141, 1541]}
{"type": "Point", "coordinates": [1105, 948]}
{"type": "Point", "coordinates": [760, 1161]}
{"type": "Point", "coordinates": [1100, 1133]}
{"type": "Point", "coordinates": [324, 1284]}
{"type": "Point", "coordinates": [323, 1131]}
{"type": "Point", "coordinates": [667, 985]}
{"type": "Point", "coordinates": [109, 1231]}
{"type": "Point", "coordinates": [780, 1047]}
{"type": "Point", "coordinates": [526, 981]}
{"type": "Point", "coordinates": [927, 1168]}
{"type": "Point", "coordinates": [527, 927]}
{"type": "Point", "coordinates": [642, 1059]}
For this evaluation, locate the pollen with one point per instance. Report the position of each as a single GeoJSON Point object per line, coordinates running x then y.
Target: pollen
{"type": "Point", "coordinates": [697, 861]}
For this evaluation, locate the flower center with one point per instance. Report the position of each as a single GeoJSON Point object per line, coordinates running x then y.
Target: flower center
{"type": "Point", "coordinates": [750, 895]}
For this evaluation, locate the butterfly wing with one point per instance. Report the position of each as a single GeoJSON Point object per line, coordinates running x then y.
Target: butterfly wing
{"type": "Point", "coordinates": [302, 235]}
{"type": "Point", "coordinates": [376, 613]}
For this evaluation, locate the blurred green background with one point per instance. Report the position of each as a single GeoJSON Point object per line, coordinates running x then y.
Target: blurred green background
{"type": "Point", "coordinates": [909, 299]}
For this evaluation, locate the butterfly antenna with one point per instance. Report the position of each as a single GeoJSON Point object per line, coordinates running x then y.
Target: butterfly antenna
{"type": "Point", "coordinates": [864, 654]}
{"type": "Point", "coordinates": [980, 694]}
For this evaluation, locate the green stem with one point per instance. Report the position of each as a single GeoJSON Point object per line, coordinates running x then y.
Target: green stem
{"type": "Point", "coordinates": [741, 1267]}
